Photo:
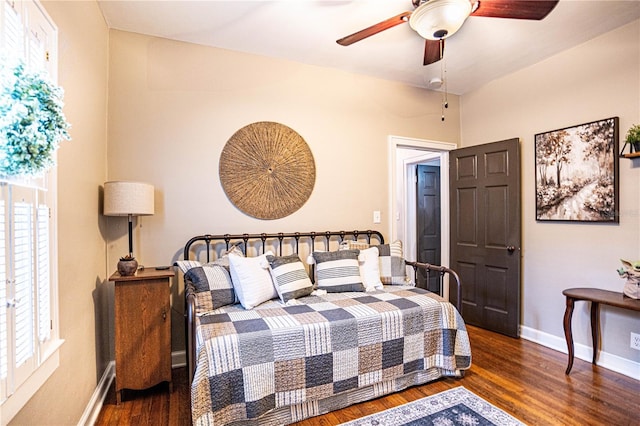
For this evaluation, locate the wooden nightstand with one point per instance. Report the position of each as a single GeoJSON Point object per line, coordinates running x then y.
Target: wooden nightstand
{"type": "Point", "coordinates": [142, 329]}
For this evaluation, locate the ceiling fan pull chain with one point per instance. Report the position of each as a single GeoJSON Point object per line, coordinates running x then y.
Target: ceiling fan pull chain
{"type": "Point", "coordinates": [443, 74]}
{"type": "Point", "coordinates": [446, 89]}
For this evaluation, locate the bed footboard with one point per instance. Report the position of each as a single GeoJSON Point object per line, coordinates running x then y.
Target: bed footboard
{"type": "Point", "coordinates": [190, 327]}
{"type": "Point", "coordinates": [442, 271]}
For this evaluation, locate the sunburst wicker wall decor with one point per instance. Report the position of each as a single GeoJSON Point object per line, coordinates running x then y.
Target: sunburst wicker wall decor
{"type": "Point", "coordinates": [267, 170]}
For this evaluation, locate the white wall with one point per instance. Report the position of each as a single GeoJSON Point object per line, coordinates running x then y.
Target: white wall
{"type": "Point", "coordinates": [597, 80]}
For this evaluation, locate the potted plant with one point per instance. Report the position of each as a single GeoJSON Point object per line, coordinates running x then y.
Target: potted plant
{"type": "Point", "coordinates": [32, 123]}
{"type": "Point", "coordinates": [633, 138]}
{"type": "Point", "coordinates": [128, 265]}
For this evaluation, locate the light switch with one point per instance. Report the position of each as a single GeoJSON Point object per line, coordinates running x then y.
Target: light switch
{"type": "Point", "coordinates": [376, 216]}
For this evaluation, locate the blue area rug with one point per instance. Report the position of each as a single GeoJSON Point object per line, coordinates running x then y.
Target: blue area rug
{"type": "Point", "coordinates": [456, 406]}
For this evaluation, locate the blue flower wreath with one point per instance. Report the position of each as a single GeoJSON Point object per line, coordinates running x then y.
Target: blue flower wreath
{"type": "Point", "coordinates": [32, 123]}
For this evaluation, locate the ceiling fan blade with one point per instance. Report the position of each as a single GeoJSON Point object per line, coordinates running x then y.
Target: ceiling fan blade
{"type": "Point", "coordinates": [515, 9]}
{"type": "Point", "coordinates": [374, 29]}
{"type": "Point", "coordinates": [433, 51]}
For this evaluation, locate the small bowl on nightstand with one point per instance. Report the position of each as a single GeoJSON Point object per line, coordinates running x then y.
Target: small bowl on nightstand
{"type": "Point", "coordinates": [127, 266]}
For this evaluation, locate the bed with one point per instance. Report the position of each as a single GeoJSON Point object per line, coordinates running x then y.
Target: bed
{"type": "Point", "coordinates": [279, 361]}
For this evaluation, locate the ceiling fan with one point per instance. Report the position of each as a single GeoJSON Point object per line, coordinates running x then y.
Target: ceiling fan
{"type": "Point", "coordinates": [436, 20]}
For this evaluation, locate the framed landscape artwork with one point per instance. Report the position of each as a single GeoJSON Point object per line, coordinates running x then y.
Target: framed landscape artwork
{"type": "Point", "coordinates": [577, 173]}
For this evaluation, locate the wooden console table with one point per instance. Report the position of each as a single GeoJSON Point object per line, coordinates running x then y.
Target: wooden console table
{"type": "Point", "coordinates": [596, 297]}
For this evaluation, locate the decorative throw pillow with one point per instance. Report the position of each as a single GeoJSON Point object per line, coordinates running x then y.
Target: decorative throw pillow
{"type": "Point", "coordinates": [392, 266]}
{"type": "Point", "coordinates": [236, 248]}
{"type": "Point", "coordinates": [213, 287]}
{"type": "Point", "coordinates": [370, 269]}
{"type": "Point", "coordinates": [390, 260]}
{"type": "Point", "coordinates": [353, 245]}
{"type": "Point", "coordinates": [251, 279]}
{"type": "Point", "coordinates": [338, 271]}
{"type": "Point", "coordinates": [289, 277]}
{"type": "Point", "coordinates": [185, 265]}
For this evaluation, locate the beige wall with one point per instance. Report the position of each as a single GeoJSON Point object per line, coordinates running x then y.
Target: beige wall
{"type": "Point", "coordinates": [83, 44]}
{"type": "Point", "coordinates": [599, 79]}
{"type": "Point", "coordinates": [173, 106]}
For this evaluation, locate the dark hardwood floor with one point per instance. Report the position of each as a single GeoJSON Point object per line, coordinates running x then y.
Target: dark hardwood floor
{"type": "Point", "coordinates": [154, 406]}
{"type": "Point", "coordinates": [524, 379]}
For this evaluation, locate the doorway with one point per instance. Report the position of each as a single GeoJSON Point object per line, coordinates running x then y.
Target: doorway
{"type": "Point", "coordinates": [428, 218]}
{"type": "Point", "coordinates": [405, 154]}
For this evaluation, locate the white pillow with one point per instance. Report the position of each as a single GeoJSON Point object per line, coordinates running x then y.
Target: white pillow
{"type": "Point", "coordinates": [251, 279]}
{"type": "Point", "coordinates": [369, 269]}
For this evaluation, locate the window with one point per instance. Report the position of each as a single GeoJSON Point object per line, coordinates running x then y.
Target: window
{"type": "Point", "coordinates": [28, 280]}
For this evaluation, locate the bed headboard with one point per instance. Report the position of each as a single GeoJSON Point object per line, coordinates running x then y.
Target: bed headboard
{"type": "Point", "coordinates": [206, 246]}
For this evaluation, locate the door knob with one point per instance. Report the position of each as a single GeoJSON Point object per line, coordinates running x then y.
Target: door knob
{"type": "Point", "coordinates": [511, 249]}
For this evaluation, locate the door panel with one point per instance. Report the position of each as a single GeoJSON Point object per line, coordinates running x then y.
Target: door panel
{"type": "Point", "coordinates": [485, 233]}
{"type": "Point", "coordinates": [429, 222]}
{"type": "Point", "coordinates": [466, 223]}
{"type": "Point", "coordinates": [471, 309]}
{"type": "Point", "coordinates": [496, 235]}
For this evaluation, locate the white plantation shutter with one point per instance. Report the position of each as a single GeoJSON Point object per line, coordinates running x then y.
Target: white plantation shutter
{"type": "Point", "coordinates": [43, 274]}
{"type": "Point", "coordinates": [23, 281]}
{"type": "Point", "coordinates": [25, 290]}
{"type": "Point", "coordinates": [28, 299]}
{"type": "Point", "coordinates": [36, 47]}
{"type": "Point", "coordinates": [38, 40]}
{"type": "Point", "coordinates": [13, 33]}
{"type": "Point", "coordinates": [3, 303]}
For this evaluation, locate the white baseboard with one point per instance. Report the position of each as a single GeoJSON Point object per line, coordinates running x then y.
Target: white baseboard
{"type": "Point", "coordinates": [178, 359]}
{"type": "Point", "coordinates": [583, 352]}
{"type": "Point", "coordinates": [92, 411]}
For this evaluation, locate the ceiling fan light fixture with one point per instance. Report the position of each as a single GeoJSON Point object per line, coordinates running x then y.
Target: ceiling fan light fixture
{"type": "Point", "coordinates": [435, 83]}
{"type": "Point", "coordinates": [439, 19]}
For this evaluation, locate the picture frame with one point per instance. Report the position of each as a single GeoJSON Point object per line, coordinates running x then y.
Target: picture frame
{"type": "Point", "coordinates": [577, 173]}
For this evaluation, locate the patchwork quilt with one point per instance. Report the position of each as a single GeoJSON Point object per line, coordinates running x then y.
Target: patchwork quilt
{"type": "Point", "coordinates": [252, 362]}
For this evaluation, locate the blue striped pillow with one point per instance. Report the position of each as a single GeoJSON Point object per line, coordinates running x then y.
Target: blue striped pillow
{"type": "Point", "coordinates": [338, 271]}
{"type": "Point", "coordinates": [290, 277]}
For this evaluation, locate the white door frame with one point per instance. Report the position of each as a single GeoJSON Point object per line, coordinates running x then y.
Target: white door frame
{"type": "Point", "coordinates": [401, 206]}
{"type": "Point", "coordinates": [410, 165]}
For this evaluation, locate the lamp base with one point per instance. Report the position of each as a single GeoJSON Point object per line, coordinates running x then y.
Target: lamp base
{"type": "Point", "coordinates": [127, 267]}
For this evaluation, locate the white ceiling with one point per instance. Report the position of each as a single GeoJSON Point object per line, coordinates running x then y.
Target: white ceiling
{"type": "Point", "coordinates": [306, 30]}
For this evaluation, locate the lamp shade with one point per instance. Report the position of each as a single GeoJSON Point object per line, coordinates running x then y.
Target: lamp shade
{"type": "Point", "coordinates": [128, 198]}
{"type": "Point", "coordinates": [439, 19]}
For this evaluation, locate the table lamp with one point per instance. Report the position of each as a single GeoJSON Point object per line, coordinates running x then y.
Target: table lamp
{"type": "Point", "coordinates": [129, 199]}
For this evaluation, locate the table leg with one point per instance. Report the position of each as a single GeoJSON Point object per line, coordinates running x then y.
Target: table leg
{"type": "Point", "coordinates": [595, 328]}
{"type": "Point", "coordinates": [568, 313]}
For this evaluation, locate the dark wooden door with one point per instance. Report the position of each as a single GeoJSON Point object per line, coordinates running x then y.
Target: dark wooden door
{"type": "Point", "coordinates": [485, 233]}
{"type": "Point", "coordinates": [428, 221]}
